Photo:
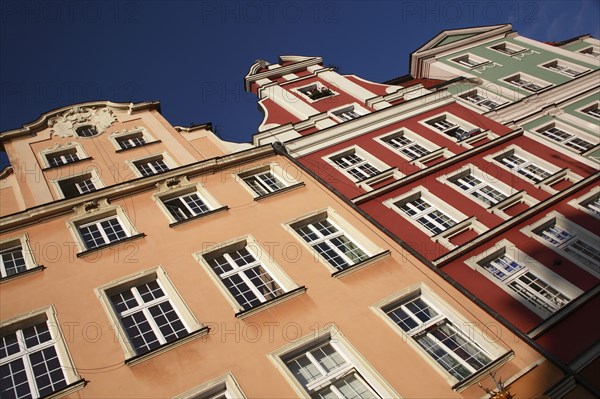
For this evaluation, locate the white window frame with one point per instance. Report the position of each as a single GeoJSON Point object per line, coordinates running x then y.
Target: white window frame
{"type": "Point", "coordinates": [158, 274]}
{"type": "Point", "coordinates": [588, 203]}
{"type": "Point", "coordinates": [516, 48]}
{"type": "Point", "coordinates": [434, 151]}
{"type": "Point", "coordinates": [282, 177]}
{"type": "Point", "coordinates": [261, 259]}
{"type": "Point", "coordinates": [579, 234]}
{"type": "Point", "coordinates": [367, 160]}
{"type": "Point", "coordinates": [444, 312]}
{"type": "Point", "coordinates": [453, 123]}
{"type": "Point", "coordinates": [461, 221]}
{"type": "Point", "coordinates": [224, 386]}
{"type": "Point", "coordinates": [529, 265]}
{"type": "Point", "coordinates": [460, 60]}
{"type": "Point", "coordinates": [57, 341]}
{"type": "Point", "coordinates": [14, 244]}
{"type": "Point", "coordinates": [203, 195]}
{"type": "Point", "coordinates": [88, 125]}
{"type": "Point", "coordinates": [480, 103]}
{"type": "Point", "coordinates": [166, 158]}
{"type": "Point", "coordinates": [78, 148]}
{"type": "Point", "coordinates": [94, 178]}
{"type": "Point", "coordinates": [561, 66]}
{"type": "Point", "coordinates": [102, 212]}
{"type": "Point", "coordinates": [116, 136]}
{"type": "Point", "coordinates": [591, 51]}
{"type": "Point", "coordinates": [593, 106]}
{"type": "Point", "coordinates": [542, 84]}
{"type": "Point", "coordinates": [354, 364]}
{"type": "Point", "coordinates": [570, 130]}
{"type": "Point", "coordinates": [354, 108]}
{"type": "Point", "coordinates": [317, 86]}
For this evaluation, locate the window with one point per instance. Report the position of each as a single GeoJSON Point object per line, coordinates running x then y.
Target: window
{"type": "Point", "coordinates": [62, 157]}
{"type": "Point", "coordinates": [327, 366]}
{"type": "Point", "coordinates": [357, 164]}
{"type": "Point", "coordinates": [452, 127]}
{"type": "Point", "coordinates": [478, 98]}
{"type": "Point", "coordinates": [102, 232]}
{"type": "Point", "coordinates": [526, 82]}
{"type": "Point", "coordinates": [78, 185]}
{"type": "Point", "coordinates": [86, 131]}
{"type": "Point", "coordinates": [508, 49]}
{"type": "Point", "coordinates": [268, 179]}
{"type": "Point", "coordinates": [425, 213]}
{"type": "Point", "coordinates": [478, 187]}
{"type": "Point", "coordinates": [439, 335]}
{"type": "Point", "coordinates": [249, 277]}
{"type": "Point", "coordinates": [33, 358]}
{"type": "Point", "coordinates": [568, 239]}
{"type": "Point", "coordinates": [563, 68]}
{"type": "Point", "coordinates": [589, 203]}
{"type": "Point", "coordinates": [347, 115]}
{"type": "Point", "coordinates": [592, 110]}
{"type": "Point", "coordinates": [565, 138]}
{"type": "Point", "coordinates": [148, 312]}
{"type": "Point", "coordinates": [533, 284]}
{"type": "Point", "coordinates": [186, 206]}
{"type": "Point", "coordinates": [405, 145]}
{"type": "Point", "coordinates": [131, 138]}
{"type": "Point", "coordinates": [15, 257]}
{"type": "Point", "coordinates": [224, 387]}
{"type": "Point", "coordinates": [592, 51]}
{"type": "Point", "coordinates": [316, 91]}
{"type": "Point", "coordinates": [524, 165]}
{"type": "Point", "coordinates": [469, 60]}
{"type": "Point", "coordinates": [149, 167]}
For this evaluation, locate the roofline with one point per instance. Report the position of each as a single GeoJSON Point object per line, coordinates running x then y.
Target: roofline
{"type": "Point", "coordinates": [566, 41]}
{"type": "Point", "coordinates": [42, 121]}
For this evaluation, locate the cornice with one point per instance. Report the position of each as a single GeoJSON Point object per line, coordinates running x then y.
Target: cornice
{"type": "Point", "coordinates": [253, 74]}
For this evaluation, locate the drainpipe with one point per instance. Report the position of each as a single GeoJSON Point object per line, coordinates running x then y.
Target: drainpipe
{"type": "Point", "coordinates": [281, 150]}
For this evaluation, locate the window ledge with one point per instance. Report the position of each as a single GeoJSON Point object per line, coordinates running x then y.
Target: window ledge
{"type": "Point", "coordinates": [132, 361]}
{"type": "Point", "coordinates": [272, 302]}
{"type": "Point", "coordinates": [475, 377]}
{"type": "Point", "coordinates": [379, 176]}
{"type": "Point", "coordinates": [360, 265]}
{"type": "Point", "coordinates": [69, 389]}
{"type": "Point", "coordinates": [66, 164]}
{"type": "Point", "coordinates": [506, 202]}
{"type": "Point", "coordinates": [283, 190]}
{"type": "Point", "coordinates": [138, 146]}
{"type": "Point", "coordinates": [110, 244]}
{"type": "Point", "coordinates": [22, 274]}
{"type": "Point", "coordinates": [205, 214]}
{"type": "Point", "coordinates": [450, 231]}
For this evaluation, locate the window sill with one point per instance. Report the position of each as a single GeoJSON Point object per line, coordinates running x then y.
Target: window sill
{"type": "Point", "coordinates": [475, 377]}
{"type": "Point", "coordinates": [202, 215]}
{"type": "Point", "coordinates": [360, 265]}
{"type": "Point", "coordinates": [283, 190]}
{"type": "Point", "coordinates": [132, 361]}
{"type": "Point", "coordinates": [22, 274]}
{"type": "Point", "coordinates": [138, 146]}
{"type": "Point", "coordinates": [66, 164]}
{"type": "Point", "coordinates": [110, 244]}
{"type": "Point", "coordinates": [69, 389]}
{"type": "Point", "coordinates": [272, 302]}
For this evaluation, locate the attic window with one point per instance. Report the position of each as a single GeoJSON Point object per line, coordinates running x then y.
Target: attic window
{"type": "Point", "coordinates": [86, 131]}
{"type": "Point", "coordinates": [316, 91]}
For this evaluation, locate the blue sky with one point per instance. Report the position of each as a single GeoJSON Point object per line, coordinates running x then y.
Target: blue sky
{"type": "Point", "coordinates": [192, 56]}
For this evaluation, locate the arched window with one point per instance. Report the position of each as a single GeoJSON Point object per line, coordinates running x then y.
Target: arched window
{"type": "Point", "coordinates": [86, 131]}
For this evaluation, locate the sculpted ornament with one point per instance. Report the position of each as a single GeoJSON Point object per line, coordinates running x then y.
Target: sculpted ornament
{"type": "Point", "coordinates": [64, 125]}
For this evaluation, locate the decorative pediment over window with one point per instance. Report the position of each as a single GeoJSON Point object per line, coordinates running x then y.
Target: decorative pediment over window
{"type": "Point", "coordinates": [66, 124]}
{"type": "Point", "coordinates": [91, 207]}
{"type": "Point", "coordinates": [172, 183]}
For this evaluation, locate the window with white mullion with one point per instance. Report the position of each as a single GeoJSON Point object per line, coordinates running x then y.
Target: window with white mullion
{"type": "Point", "coordinates": [149, 168]}
{"type": "Point", "coordinates": [479, 189]}
{"type": "Point", "coordinates": [526, 84]}
{"type": "Point", "coordinates": [524, 167]}
{"type": "Point", "coordinates": [131, 141]}
{"type": "Point", "coordinates": [186, 206]}
{"type": "Point", "coordinates": [85, 186]}
{"type": "Point", "coordinates": [480, 100]}
{"type": "Point", "coordinates": [563, 69]}
{"type": "Point", "coordinates": [407, 146]}
{"type": "Point", "coordinates": [594, 205]}
{"type": "Point", "coordinates": [568, 241]}
{"type": "Point", "coordinates": [356, 166]}
{"type": "Point", "coordinates": [593, 111]}
{"type": "Point", "coordinates": [449, 128]}
{"type": "Point", "coordinates": [332, 244]}
{"type": "Point", "coordinates": [526, 283]}
{"type": "Point", "coordinates": [264, 183]}
{"type": "Point", "coordinates": [348, 115]}
{"type": "Point", "coordinates": [246, 278]}
{"type": "Point", "coordinates": [568, 139]}
{"type": "Point", "coordinates": [102, 232]}
{"type": "Point", "coordinates": [63, 158]}
{"type": "Point", "coordinates": [29, 363]}
{"type": "Point", "coordinates": [427, 215]}
{"type": "Point", "coordinates": [149, 318]}
{"type": "Point", "coordinates": [12, 261]}
{"type": "Point", "coordinates": [455, 351]}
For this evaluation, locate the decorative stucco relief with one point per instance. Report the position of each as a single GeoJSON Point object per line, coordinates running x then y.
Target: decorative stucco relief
{"type": "Point", "coordinates": [64, 125]}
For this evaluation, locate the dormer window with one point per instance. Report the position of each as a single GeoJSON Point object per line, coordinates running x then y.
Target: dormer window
{"type": "Point", "coordinates": [86, 131]}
